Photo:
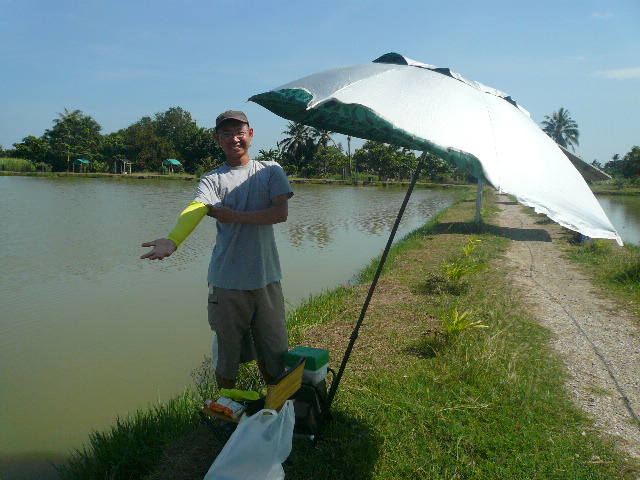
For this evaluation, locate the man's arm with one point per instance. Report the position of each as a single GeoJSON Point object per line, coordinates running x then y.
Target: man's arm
{"type": "Point", "coordinates": [162, 247]}
{"type": "Point", "coordinates": [188, 221]}
{"type": "Point", "coordinates": [276, 213]}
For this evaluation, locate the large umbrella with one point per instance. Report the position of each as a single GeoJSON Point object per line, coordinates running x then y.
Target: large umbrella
{"type": "Point", "coordinates": [589, 172]}
{"type": "Point", "coordinates": [481, 130]}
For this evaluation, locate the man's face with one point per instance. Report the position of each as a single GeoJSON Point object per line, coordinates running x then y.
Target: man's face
{"type": "Point", "coordinates": [234, 138]}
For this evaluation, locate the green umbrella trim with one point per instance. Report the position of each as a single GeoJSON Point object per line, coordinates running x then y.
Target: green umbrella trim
{"type": "Point", "coordinates": [358, 121]}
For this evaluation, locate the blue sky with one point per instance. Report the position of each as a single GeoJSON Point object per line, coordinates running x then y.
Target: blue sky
{"type": "Point", "coordinates": [121, 60]}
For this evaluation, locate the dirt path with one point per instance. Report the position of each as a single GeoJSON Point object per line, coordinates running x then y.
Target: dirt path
{"type": "Point", "coordinates": [599, 341]}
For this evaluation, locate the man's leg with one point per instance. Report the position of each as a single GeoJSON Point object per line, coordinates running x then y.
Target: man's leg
{"type": "Point", "coordinates": [269, 330]}
{"type": "Point", "coordinates": [268, 379]}
{"type": "Point", "coordinates": [224, 382]}
{"type": "Point", "coordinates": [230, 313]}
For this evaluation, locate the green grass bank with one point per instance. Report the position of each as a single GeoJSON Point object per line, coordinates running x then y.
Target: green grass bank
{"type": "Point", "coordinates": [450, 378]}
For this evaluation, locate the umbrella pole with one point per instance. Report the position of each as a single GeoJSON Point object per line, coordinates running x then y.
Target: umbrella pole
{"type": "Point", "coordinates": [479, 197]}
{"type": "Point", "coordinates": [354, 335]}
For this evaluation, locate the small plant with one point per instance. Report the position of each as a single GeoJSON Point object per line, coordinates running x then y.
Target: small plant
{"type": "Point", "coordinates": [470, 247]}
{"type": "Point", "coordinates": [460, 268]}
{"type": "Point", "coordinates": [455, 323]}
{"type": "Point", "coordinates": [465, 265]}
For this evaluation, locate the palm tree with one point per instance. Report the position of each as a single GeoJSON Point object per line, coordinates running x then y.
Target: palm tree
{"type": "Point", "coordinates": [294, 145]}
{"type": "Point", "coordinates": [321, 136]}
{"type": "Point", "coordinates": [561, 128]}
{"type": "Point", "coordinates": [268, 155]}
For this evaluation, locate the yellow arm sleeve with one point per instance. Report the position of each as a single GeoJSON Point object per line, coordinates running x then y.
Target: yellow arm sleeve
{"type": "Point", "coordinates": [188, 221]}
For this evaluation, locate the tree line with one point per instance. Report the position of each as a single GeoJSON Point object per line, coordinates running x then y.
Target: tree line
{"type": "Point", "coordinates": [149, 142]}
{"type": "Point", "coordinates": [304, 151]}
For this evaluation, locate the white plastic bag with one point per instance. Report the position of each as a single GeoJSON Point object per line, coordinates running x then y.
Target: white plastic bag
{"type": "Point", "coordinates": [256, 450]}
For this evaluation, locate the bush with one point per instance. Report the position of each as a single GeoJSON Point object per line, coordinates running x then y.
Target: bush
{"type": "Point", "coordinates": [16, 165]}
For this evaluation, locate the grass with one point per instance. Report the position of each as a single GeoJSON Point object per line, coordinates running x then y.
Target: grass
{"type": "Point", "coordinates": [617, 187]}
{"type": "Point", "coordinates": [133, 446]}
{"type": "Point", "coordinates": [412, 403]}
{"type": "Point", "coordinates": [616, 269]}
{"type": "Point", "coordinates": [16, 165]}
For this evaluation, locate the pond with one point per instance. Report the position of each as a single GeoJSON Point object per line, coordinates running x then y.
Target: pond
{"type": "Point", "coordinates": [624, 213]}
{"type": "Point", "coordinates": [89, 332]}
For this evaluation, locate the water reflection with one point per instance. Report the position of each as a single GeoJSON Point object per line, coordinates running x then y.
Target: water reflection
{"type": "Point", "coordinates": [368, 211]}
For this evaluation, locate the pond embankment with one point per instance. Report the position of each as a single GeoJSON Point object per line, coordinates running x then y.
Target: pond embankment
{"type": "Point", "coordinates": [419, 401]}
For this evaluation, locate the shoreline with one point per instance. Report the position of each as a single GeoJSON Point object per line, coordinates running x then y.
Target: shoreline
{"type": "Point", "coordinates": [292, 180]}
{"type": "Point", "coordinates": [598, 189]}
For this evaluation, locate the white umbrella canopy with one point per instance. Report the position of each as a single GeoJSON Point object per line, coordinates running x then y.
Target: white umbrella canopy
{"type": "Point", "coordinates": [481, 130]}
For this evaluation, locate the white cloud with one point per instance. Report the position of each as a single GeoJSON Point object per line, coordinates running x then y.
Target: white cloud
{"type": "Point", "coordinates": [620, 74]}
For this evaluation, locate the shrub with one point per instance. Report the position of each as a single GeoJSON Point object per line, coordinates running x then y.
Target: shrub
{"type": "Point", "coordinates": [8, 164]}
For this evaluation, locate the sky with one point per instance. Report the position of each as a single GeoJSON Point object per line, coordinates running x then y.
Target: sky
{"type": "Point", "coordinates": [118, 61]}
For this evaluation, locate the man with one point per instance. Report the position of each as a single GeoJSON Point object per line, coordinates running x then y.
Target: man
{"type": "Point", "coordinates": [246, 305]}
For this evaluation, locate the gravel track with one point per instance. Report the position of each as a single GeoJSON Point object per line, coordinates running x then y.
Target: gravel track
{"type": "Point", "coordinates": [597, 339]}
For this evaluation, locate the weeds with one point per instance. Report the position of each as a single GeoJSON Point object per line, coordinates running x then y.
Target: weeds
{"type": "Point", "coordinates": [455, 323]}
{"type": "Point", "coordinates": [455, 272]}
{"type": "Point", "coordinates": [464, 265]}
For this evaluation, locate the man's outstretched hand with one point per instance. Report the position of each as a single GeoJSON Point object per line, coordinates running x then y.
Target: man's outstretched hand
{"type": "Point", "coordinates": [162, 247]}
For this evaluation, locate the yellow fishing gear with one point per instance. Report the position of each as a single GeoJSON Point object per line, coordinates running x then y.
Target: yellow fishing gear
{"type": "Point", "coordinates": [188, 221]}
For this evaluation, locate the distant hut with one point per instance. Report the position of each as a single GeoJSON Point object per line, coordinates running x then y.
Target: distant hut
{"type": "Point", "coordinates": [121, 165]}
{"type": "Point", "coordinates": [82, 165]}
{"type": "Point", "coordinates": [172, 164]}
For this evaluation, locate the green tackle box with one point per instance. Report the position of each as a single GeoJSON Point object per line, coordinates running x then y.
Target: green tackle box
{"type": "Point", "coordinates": [315, 368]}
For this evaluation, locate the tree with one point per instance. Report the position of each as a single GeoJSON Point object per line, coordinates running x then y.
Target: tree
{"type": "Point", "coordinates": [73, 135]}
{"type": "Point", "coordinates": [322, 137]}
{"type": "Point", "coordinates": [631, 161]}
{"type": "Point", "coordinates": [200, 149]}
{"type": "Point", "coordinates": [144, 146]}
{"type": "Point", "coordinates": [171, 134]}
{"type": "Point", "coordinates": [562, 128]}
{"type": "Point", "coordinates": [113, 147]}
{"type": "Point", "coordinates": [32, 148]}
{"type": "Point", "coordinates": [386, 161]}
{"type": "Point", "coordinates": [627, 167]}
{"type": "Point", "coordinates": [271, 155]}
{"type": "Point", "coordinates": [295, 147]}
{"type": "Point", "coordinates": [437, 169]}
{"type": "Point", "coordinates": [176, 125]}
{"type": "Point", "coordinates": [330, 160]}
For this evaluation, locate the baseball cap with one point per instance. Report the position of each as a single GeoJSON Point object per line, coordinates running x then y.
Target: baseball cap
{"type": "Point", "coordinates": [231, 115]}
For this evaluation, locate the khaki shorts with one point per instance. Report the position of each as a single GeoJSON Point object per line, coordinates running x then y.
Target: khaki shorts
{"type": "Point", "coordinates": [249, 325]}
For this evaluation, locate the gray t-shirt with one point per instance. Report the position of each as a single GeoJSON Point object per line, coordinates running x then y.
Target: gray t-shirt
{"type": "Point", "coordinates": [245, 256]}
